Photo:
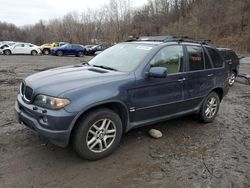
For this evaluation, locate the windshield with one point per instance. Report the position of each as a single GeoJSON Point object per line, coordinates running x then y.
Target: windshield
{"type": "Point", "coordinates": [123, 57]}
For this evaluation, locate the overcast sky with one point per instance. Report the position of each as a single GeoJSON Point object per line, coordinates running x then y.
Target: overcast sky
{"type": "Point", "coordinates": [23, 12]}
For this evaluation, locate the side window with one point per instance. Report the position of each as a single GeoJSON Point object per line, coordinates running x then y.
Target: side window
{"type": "Point", "coordinates": [19, 46]}
{"type": "Point", "coordinates": [207, 61]}
{"type": "Point", "coordinates": [195, 56]}
{"type": "Point", "coordinates": [216, 58]}
{"type": "Point", "coordinates": [170, 57]}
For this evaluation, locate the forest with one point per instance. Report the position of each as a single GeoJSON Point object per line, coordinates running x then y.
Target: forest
{"type": "Point", "coordinates": [225, 22]}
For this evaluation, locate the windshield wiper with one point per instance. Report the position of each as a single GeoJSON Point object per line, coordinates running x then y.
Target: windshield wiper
{"type": "Point", "coordinates": [85, 62]}
{"type": "Point", "coordinates": [105, 67]}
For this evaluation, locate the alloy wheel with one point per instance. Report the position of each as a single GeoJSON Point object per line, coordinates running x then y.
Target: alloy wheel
{"type": "Point", "coordinates": [101, 135]}
{"type": "Point", "coordinates": [211, 107]}
{"type": "Point", "coordinates": [232, 79]}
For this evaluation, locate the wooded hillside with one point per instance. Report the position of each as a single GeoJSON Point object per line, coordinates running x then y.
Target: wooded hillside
{"type": "Point", "coordinates": [225, 22]}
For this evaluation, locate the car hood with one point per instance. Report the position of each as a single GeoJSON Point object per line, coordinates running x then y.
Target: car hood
{"type": "Point", "coordinates": [57, 81]}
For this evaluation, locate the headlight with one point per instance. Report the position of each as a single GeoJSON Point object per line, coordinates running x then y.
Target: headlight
{"type": "Point", "coordinates": [51, 102]}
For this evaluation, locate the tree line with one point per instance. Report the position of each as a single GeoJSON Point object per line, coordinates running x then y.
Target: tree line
{"type": "Point", "coordinates": [225, 22]}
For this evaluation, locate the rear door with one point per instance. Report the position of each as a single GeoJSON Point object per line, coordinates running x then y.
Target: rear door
{"type": "Point", "coordinates": [200, 76]}
{"type": "Point", "coordinates": [221, 70]}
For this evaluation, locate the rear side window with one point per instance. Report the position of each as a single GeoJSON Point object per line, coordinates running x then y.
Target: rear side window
{"type": "Point", "coordinates": [195, 56]}
{"type": "Point", "coordinates": [170, 57]}
{"type": "Point", "coordinates": [207, 61]}
{"type": "Point", "coordinates": [216, 58]}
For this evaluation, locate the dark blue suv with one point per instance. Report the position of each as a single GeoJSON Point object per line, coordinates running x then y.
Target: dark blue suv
{"type": "Point", "coordinates": [129, 85]}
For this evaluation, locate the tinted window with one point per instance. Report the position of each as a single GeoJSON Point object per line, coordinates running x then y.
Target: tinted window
{"type": "Point", "coordinates": [224, 54]}
{"type": "Point", "coordinates": [207, 61]}
{"type": "Point", "coordinates": [195, 56]}
{"type": "Point", "coordinates": [170, 57]}
{"type": "Point", "coordinates": [216, 58]}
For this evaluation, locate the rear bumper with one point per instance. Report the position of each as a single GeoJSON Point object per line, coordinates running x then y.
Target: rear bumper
{"type": "Point", "coordinates": [34, 122]}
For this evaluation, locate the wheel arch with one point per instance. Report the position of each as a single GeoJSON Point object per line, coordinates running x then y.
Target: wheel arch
{"type": "Point", "coordinates": [219, 91]}
{"type": "Point", "coordinates": [116, 106]}
{"type": "Point", "coordinates": [235, 71]}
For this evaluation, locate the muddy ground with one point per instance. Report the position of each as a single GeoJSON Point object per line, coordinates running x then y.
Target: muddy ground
{"type": "Point", "coordinates": [190, 154]}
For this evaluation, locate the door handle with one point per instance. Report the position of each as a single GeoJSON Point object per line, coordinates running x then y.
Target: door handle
{"type": "Point", "coordinates": [210, 75]}
{"type": "Point", "coordinates": [181, 79]}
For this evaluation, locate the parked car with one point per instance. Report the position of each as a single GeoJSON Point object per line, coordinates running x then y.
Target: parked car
{"type": "Point", "coordinates": [46, 48]}
{"type": "Point", "coordinates": [69, 49]}
{"type": "Point", "coordinates": [22, 48]}
{"type": "Point", "coordinates": [129, 85]}
{"type": "Point", "coordinates": [94, 49]}
{"type": "Point", "coordinates": [89, 46]}
{"type": "Point", "coordinates": [6, 44]}
{"type": "Point", "coordinates": [233, 61]}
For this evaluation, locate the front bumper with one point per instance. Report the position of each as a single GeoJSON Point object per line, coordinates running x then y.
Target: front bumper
{"type": "Point", "coordinates": [57, 127]}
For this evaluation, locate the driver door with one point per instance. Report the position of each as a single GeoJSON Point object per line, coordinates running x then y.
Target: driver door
{"type": "Point", "coordinates": [158, 97]}
{"type": "Point", "coordinates": [18, 49]}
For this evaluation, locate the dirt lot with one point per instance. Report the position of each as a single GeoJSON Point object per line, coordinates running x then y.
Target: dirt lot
{"type": "Point", "coordinates": [189, 154]}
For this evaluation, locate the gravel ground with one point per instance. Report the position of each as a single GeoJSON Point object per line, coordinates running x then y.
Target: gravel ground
{"type": "Point", "coordinates": [190, 154]}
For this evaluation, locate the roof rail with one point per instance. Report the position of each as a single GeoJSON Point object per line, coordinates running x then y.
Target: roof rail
{"type": "Point", "coordinates": [170, 38]}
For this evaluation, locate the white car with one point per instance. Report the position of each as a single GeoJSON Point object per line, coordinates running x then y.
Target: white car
{"type": "Point", "coordinates": [22, 48]}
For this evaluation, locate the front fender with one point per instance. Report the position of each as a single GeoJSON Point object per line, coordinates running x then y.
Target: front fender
{"type": "Point", "coordinates": [97, 104]}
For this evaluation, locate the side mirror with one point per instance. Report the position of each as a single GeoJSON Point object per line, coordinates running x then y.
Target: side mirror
{"type": "Point", "coordinates": [157, 72]}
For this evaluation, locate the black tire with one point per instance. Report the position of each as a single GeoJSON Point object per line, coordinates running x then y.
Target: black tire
{"type": "Point", "coordinates": [46, 51]}
{"type": "Point", "coordinates": [59, 53]}
{"type": "Point", "coordinates": [232, 78]}
{"type": "Point", "coordinates": [7, 52]}
{"type": "Point", "coordinates": [80, 54]}
{"type": "Point", "coordinates": [82, 134]}
{"type": "Point", "coordinates": [208, 112]}
{"type": "Point", "coordinates": [34, 52]}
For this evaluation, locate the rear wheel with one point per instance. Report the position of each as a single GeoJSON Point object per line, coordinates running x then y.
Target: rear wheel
{"type": "Point", "coordinates": [59, 53]}
{"type": "Point", "coordinates": [98, 134]}
{"type": "Point", "coordinates": [232, 78]}
{"type": "Point", "coordinates": [33, 52]}
{"type": "Point", "coordinates": [7, 52]}
{"type": "Point", "coordinates": [210, 107]}
{"type": "Point", "coordinates": [80, 54]}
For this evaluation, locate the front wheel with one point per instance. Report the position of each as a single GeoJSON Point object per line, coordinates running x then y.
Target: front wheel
{"type": "Point", "coordinates": [46, 51]}
{"type": "Point", "coordinates": [59, 53]}
{"type": "Point", "coordinates": [210, 107]}
{"type": "Point", "coordinates": [7, 52]}
{"type": "Point", "coordinates": [97, 134]}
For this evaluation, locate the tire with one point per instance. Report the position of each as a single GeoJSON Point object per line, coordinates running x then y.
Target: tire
{"type": "Point", "coordinates": [46, 51]}
{"type": "Point", "coordinates": [59, 53]}
{"type": "Point", "coordinates": [210, 107]}
{"type": "Point", "coordinates": [7, 52]}
{"type": "Point", "coordinates": [89, 130]}
{"type": "Point", "coordinates": [232, 79]}
{"type": "Point", "coordinates": [34, 52]}
{"type": "Point", "coordinates": [80, 54]}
